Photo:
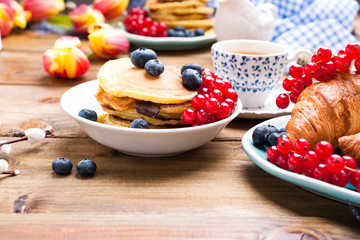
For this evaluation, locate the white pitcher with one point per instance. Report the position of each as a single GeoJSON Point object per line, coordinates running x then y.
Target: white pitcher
{"type": "Point", "coordinates": [241, 19]}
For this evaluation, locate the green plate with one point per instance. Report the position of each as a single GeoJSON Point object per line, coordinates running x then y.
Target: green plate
{"type": "Point", "coordinates": [258, 156]}
{"type": "Point", "coordinates": [170, 43]}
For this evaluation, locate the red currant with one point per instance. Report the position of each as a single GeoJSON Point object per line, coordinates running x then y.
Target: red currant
{"type": "Point", "coordinates": [218, 84]}
{"type": "Point", "coordinates": [189, 116]}
{"type": "Point", "coordinates": [357, 64]}
{"type": "Point", "coordinates": [227, 83]}
{"type": "Point", "coordinates": [305, 81]}
{"type": "Point", "coordinates": [296, 71]}
{"type": "Point", "coordinates": [212, 105]}
{"type": "Point", "coordinates": [301, 146]}
{"type": "Point", "coordinates": [342, 63]}
{"type": "Point", "coordinates": [311, 159]}
{"type": "Point", "coordinates": [207, 80]}
{"type": "Point", "coordinates": [272, 154]}
{"type": "Point", "coordinates": [202, 116]}
{"type": "Point", "coordinates": [198, 102]}
{"type": "Point", "coordinates": [231, 103]}
{"type": "Point", "coordinates": [216, 93]}
{"type": "Point", "coordinates": [323, 150]}
{"type": "Point", "coordinates": [340, 179]}
{"type": "Point", "coordinates": [335, 163]}
{"type": "Point", "coordinates": [224, 111]}
{"type": "Point", "coordinates": [282, 160]}
{"type": "Point", "coordinates": [311, 70]}
{"type": "Point", "coordinates": [350, 162]}
{"type": "Point", "coordinates": [324, 54]}
{"type": "Point", "coordinates": [282, 101]}
{"type": "Point", "coordinates": [315, 58]}
{"type": "Point", "coordinates": [284, 144]}
{"type": "Point", "coordinates": [327, 71]}
{"type": "Point", "coordinates": [352, 50]}
{"type": "Point", "coordinates": [296, 162]}
{"type": "Point", "coordinates": [289, 83]}
{"type": "Point", "coordinates": [294, 95]}
{"type": "Point", "coordinates": [321, 173]}
{"type": "Point", "coordinates": [355, 179]}
{"type": "Point", "coordinates": [231, 94]}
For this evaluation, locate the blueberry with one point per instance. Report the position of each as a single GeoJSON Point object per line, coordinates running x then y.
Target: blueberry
{"type": "Point", "coordinates": [86, 168]}
{"type": "Point", "coordinates": [272, 138]}
{"type": "Point", "coordinates": [171, 32]}
{"type": "Point", "coordinates": [139, 123]}
{"type": "Point", "coordinates": [88, 114]}
{"type": "Point", "coordinates": [282, 130]}
{"type": "Point", "coordinates": [62, 166]}
{"type": "Point", "coordinates": [199, 32]}
{"type": "Point", "coordinates": [261, 133]}
{"type": "Point", "coordinates": [194, 66]}
{"type": "Point", "coordinates": [154, 67]}
{"type": "Point", "coordinates": [191, 79]}
{"type": "Point", "coordinates": [140, 56]}
{"type": "Point", "coordinates": [179, 34]}
{"type": "Point", "coordinates": [179, 28]}
{"type": "Point", "coordinates": [189, 33]}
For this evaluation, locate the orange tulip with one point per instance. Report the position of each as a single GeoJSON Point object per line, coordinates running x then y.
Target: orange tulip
{"type": "Point", "coordinates": [41, 9]}
{"type": "Point", "coordinates": [21, 17]}
{"type": "Point", "coordinates": [84, 16]}
{"type": "Point", "coordinates": [106, 42]}
{"type": "Point", "coordinates": [66, 60]}
{"type": "Point", "coordinates": [111, 8]}
{"type": "Point", "coordinates": [6, 18]}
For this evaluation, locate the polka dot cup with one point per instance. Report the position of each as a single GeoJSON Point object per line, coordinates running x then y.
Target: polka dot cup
{"type": "Point", "coordinates": [254, 67]}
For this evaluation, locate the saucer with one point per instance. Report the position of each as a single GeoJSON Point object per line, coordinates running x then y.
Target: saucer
{"type": "Point", "coordinates": [269, 109]}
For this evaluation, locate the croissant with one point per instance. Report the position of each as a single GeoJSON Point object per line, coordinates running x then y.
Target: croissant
{"type": "Point", "coordinates": [327, 110]}
{"type": "Point", "coordinates": [349, 145]}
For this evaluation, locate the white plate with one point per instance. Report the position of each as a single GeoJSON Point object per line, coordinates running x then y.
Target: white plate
{"type": "Point", "coordinates": [140, 142]}
{"type": "Point", "coordinates": [258, 156]}
{"type": "Point", "coordinates": [269, 109]}
{"type": "Point", "coordinates": [170, 43]}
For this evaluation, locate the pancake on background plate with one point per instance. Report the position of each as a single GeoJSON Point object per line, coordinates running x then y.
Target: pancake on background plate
{"type": "Point", "coordinates": [127, 93]}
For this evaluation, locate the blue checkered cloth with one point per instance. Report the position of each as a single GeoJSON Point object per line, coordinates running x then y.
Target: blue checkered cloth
{"type": "Point", "coordinates": [314, 23]}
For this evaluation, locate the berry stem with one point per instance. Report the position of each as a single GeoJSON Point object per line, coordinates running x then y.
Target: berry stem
{"type": "Point", "coordinates": [11, 172]}
{"type": "Point", "coordinates": [14, 141]}
{"type": "Point", "coordinates": [350, 169]}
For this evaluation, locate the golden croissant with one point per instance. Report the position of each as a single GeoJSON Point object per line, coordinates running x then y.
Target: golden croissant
{"type": "Point", "coordinates": [350, 145]}
{"type": "Point", "coordinates": [327, 110]}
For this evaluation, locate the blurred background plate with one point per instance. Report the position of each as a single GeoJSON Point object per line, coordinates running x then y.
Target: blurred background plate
{"type": "Point", "coordinates": [170, 43]}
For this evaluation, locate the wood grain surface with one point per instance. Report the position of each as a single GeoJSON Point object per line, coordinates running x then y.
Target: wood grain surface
{"type": "Point", "coordinates": [213, 192]}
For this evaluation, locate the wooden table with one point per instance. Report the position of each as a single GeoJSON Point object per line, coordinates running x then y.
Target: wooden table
{"type": "Point", "coordinates": [213, 192]}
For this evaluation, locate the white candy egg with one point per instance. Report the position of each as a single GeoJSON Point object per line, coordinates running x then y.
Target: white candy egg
{"type": "Point", "coordinates": [35, 135]}
{"type": "Point", "coordinates": [4, 165]}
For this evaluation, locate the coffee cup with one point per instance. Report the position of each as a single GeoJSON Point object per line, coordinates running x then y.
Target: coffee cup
{"type": "Point", "coordinates": [254, 67]}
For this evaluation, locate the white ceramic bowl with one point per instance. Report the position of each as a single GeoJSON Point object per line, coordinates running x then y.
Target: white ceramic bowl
{"type": "Point", "coordinates": [139, 142]}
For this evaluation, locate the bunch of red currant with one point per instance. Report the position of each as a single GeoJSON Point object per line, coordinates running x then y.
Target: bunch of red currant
{"type": "Point", "coordinates": [138, 22]}
{"type": "Point", "coordinates": [322, 68]}
{"type": "Point", "coordinates": [216, 100]}
{"type": "Point", "coordinates": [321, 164]}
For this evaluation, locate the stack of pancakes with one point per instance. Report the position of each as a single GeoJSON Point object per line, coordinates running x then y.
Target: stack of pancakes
{"type": "Point", "coordinates": [188, 13]}
{"type": "Point", "coordinates": [127, 93]}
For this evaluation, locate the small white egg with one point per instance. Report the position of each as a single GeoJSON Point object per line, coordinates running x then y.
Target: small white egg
{"type": "Point", "coordinates": [4, 165]}
{"type": "Point", "coordinates": [35, 135]}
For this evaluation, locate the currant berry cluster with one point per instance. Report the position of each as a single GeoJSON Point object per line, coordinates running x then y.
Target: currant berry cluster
{"type": "Point", "coordinates": [216, 100]}
{"type": "Point", "coordinates": [321, 164]}
{"type": "Point", "coordinates": [138, 22]}
{"type": "Point", "coordinates": [322, 68]}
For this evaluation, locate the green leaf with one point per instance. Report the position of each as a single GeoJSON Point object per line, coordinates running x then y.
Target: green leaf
{"type": "Point", "coordinates": [62, 21]}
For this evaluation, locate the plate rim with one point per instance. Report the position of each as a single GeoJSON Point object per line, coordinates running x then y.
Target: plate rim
{"type": "Point", "coordinates": [340, 194]}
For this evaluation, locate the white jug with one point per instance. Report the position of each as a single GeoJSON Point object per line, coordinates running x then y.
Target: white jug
{"type": "Point", "coordinates": [241, 19]}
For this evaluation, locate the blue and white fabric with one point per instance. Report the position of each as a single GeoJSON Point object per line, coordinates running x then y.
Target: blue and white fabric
{"type": "Point", "coordinates": [314, 23]}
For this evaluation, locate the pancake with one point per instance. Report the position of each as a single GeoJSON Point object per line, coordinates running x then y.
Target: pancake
{"type": "Point", "coordinates": [126, 93]}
{"type": "Point", "coordinates": [125, 108]}
{"type": "Point", "coordinates": [120, 78]}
